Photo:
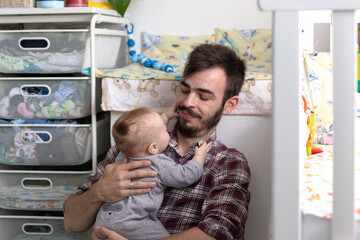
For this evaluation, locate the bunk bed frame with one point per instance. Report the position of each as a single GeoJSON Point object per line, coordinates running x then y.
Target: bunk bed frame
{"type": "Point", "coordinates": [287, 148]}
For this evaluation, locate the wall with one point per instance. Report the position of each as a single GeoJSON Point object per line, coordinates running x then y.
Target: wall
{"type": "Point", "coordinates": [193, 17]}
{"type": "Point", "coordinates": [249, 134]}
{"type": "Point", "coordinates": [317, 35]}
{"type": "Point", "coordinates": [252, 136]}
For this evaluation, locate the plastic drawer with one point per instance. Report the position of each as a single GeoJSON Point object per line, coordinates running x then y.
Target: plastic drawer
{"type": "Point", "coordinates": [46, 98]}
{"type": "Point", "coordinates": [56, 51]}
{"type": "Point", "coordinates": [37, 191]}
{"type": "Point", "coordinates": [51, 144]}
{"type": "Point", "coordinates": [27, 227]}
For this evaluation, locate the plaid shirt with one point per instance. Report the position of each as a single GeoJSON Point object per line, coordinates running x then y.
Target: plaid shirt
{"type": "Point", "coordinates": [217, 204]}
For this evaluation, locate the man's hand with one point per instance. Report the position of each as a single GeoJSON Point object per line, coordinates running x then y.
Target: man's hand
{"type": "Point", "coordinates": [115, 183]}
{"type": "Point", "coordinates": [108, 234]}
{"type": "Point", "coordinates": [80, 210]}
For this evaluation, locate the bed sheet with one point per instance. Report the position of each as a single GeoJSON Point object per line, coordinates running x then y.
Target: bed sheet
{"type": "Point", "coordinates": [126, 94]}
{"type": "Point", "coordinates": [137, 86]}
{"type": "Point", "coordinates": [317, 184]}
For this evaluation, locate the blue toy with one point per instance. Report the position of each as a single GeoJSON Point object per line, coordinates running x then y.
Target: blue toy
{"type": "Point", "coordinates": [141, 58]}
{"type": "Point", "coordinates": [162, 66]}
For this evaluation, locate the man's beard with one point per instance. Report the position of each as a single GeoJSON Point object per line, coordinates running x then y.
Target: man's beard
{"type": "Point", "coordinates": [205, 125]}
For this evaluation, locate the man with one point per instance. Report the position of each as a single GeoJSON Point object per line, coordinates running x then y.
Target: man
{"type": "Point", "coordinates": [216, 206]}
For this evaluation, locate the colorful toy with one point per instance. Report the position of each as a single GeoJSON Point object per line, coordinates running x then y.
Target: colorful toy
{"type": "Point", "coordinates": [141, 58]}
{"type": "Point", "coordinates": [310, 124]}
{"type": "Point", "coordinates": [310, 149]}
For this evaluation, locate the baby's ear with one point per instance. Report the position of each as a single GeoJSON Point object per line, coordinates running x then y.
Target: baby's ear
{"type": "Point", "coordinates": [153, 149]}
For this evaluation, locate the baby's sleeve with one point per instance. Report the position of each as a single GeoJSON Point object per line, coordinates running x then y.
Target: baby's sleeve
{"type": "Point", "coordinates": [176, 175]}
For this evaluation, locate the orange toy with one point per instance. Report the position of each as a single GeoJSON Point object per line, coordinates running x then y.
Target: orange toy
{"type": "Point", "coordinates": [311, 125]}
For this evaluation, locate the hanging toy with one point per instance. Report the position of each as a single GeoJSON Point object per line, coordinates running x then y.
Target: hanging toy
{"type": "Point", "coordinates": [162, 66]}
{"type": "Point", "coordinates": [130, 42]}
{"type": "Point", "coordinates": [141, 58]}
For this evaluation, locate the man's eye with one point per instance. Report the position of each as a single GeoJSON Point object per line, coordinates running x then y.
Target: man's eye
{"type": "Point", "coordinates": [204, 98]}
{"type": "Point", "coordinates": [185, 90]}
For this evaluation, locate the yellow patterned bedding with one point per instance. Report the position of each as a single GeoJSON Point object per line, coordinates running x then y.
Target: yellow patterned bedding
{"type": "Point", "coordinates": [119, 94]}
{"type": "Point", "coordinates": [256, 70]}
{"type": "Point", "coordinates": [135, 85]}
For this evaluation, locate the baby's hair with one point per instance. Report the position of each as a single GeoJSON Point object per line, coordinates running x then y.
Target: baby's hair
{"type": "Point", "coordinates": [132, 131]}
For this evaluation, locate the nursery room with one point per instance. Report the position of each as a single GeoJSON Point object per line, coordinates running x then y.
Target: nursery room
{"type": "Point", "coordinates": [68, 73]}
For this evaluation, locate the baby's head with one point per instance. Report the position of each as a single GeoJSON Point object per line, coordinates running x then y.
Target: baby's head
{"type": "Point", "coordinates": [140, 132]}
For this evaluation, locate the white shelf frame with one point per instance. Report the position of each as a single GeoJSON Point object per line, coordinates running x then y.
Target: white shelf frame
{"type": "Point", "coordinates": [91, 15]}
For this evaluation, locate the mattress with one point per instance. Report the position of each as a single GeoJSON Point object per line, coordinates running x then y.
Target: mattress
{"type": "Point", "coordinates": [136, 86]}
{"type": "Point", "coordinates": [316, 196]}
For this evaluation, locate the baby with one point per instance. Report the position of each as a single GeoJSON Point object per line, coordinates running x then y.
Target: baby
{"type": "Point", "coordinates": [142, 134]}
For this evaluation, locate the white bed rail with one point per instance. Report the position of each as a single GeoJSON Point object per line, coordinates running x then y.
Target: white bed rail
{"type": "Point", "coordinates": [287, 150]}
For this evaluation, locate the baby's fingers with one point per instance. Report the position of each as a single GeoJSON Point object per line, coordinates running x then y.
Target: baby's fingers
{"type": "Point", "coordinates": [208, 146]}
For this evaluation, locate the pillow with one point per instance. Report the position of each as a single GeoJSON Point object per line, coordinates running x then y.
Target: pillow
{"type": "Point", "coordinates": [172, 46]}
{"type": "Point", "coordinates": [250, 44]}
{"type": "Point", "coordinates": [320, 82]}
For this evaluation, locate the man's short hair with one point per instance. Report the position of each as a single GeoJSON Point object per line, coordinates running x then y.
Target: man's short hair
{"type": "Point", "coordinates": [207, 56]}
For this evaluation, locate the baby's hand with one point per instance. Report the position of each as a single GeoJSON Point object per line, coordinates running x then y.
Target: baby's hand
{"type": "Point", "coordinates": [201, 152]}
{"type": "Point", "coordinates": [170, 114]}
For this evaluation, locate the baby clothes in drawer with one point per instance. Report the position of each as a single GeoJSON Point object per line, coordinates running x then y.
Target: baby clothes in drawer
{"type": "Point", "coordinates": [49, 143]}
{"type": "Point", "coordinates": [37, 191]}
{"type": "Point", "coordinates": [45, 98]}
{"type": "Point", "coordinates": [22, 226]}
{"type": "Point", "coordinates": [55, 51]}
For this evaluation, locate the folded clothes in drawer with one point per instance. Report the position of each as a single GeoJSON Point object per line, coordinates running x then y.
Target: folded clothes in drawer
{"type": "Point", "coordinates": [35, 191]}
{"type": "Point", "coordinates": [45, 98]}
{"type": "Point", "coordinates": [49, 143]}
{"type": "Point", "coordinates": [55, 51]}
{"type": "Point", "coordinates": [27, 227]}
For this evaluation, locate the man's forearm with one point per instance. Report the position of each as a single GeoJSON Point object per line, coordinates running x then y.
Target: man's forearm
{"type": "Point", "coordinates": [192, 233]}
{"type": "Point", "coordinates": [80, 212]}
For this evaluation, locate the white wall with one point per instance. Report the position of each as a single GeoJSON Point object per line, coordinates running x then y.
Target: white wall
{"type": "Point", "coordinates": [252, 136]}
{"type": "Point", "coordinates": [194, 17]}
{"type": "Point", "coordinates": [307, 20]}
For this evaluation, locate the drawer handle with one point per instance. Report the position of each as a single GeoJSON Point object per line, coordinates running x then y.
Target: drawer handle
{"type": "Point", "coordinates": [39, 90]}
{"type": "Point", "coordinates": [36, 183]}
{"type": "Point", "coordinates": [36, 137]}
{"type": "Point", "coordinates": [37, 228]}
{"type": "Point", "coordinates": [34, 43]}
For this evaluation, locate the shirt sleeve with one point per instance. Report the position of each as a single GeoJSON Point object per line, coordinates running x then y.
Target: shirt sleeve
{"type": "Point", "coordinates": [91, 180]}
{"type": "Point", "coordinates": [225, 209]}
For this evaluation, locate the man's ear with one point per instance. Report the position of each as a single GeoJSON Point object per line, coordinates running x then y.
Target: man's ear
{"type": "Point", "coordinates": [152, 148]}
{"type": "Point", "coordinates": [230, 104]}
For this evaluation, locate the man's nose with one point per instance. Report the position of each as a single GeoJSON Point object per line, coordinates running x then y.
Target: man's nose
{"type": "Point", "coordinates": [189, 100]}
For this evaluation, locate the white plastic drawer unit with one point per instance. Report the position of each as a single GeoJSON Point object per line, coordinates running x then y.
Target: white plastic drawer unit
{"type": "Point", "coordinates": [45, 98]}
{"type": "Point", "coordinates": [27, 227]}
{"type": "Point", "coordinates": [49, 143]}
{"type": "Point", "coordinates": [36, 191]}
{"type": "Point", "coordinates": [55, 51]}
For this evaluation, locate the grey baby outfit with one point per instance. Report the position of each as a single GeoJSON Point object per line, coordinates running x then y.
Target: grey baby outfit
{"type": "Point", "coordinates": [135, 217]}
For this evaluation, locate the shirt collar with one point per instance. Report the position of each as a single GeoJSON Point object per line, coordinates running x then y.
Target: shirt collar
{"type": "Point", "coordinates": [173, 140]}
